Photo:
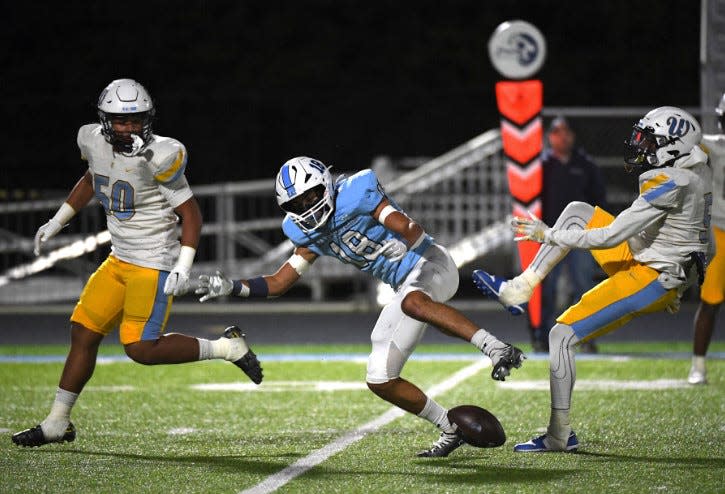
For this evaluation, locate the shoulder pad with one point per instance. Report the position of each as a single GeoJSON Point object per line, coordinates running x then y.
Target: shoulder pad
{"type": "Point", "coordinates": [167, 159]}
{"type": "Point", "coordinates": [360, 193]}
{"type": "Point", "coordinates": [86, 135]}
{"type": "Point", "coordinates": [661, 187]}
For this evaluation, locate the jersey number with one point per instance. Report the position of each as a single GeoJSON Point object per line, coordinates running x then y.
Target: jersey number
{"type": "Point", "coordinates": [359, 245]}
{"type": "Point", "coordinates": [120, 202]}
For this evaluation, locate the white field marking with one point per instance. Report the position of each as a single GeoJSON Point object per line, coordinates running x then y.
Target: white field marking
{"type": "Point", "coordinates": [277, 480]}
{"type": "Point", "coordinates": [279, 386]}
{"type": "Point", "coordinates": [181, 431]}
{"type": "Point", "coordinates": [3, 430]}
{"type": "Point", "coordinates": [111, 389]}
{"type": "Point", "coordinates": [599, 384]}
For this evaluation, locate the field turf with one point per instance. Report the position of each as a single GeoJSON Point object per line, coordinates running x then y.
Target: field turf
{"type": "Point", "coordinates": [155, 429]}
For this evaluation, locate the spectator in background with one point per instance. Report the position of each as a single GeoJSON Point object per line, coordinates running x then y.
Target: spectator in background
{"type": "Point", "coordinates": [569, 175]}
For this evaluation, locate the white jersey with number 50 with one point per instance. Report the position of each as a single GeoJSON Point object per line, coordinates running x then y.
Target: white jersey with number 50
{"type": "Point", "coordinates": [714, 145]}
{"type": "Point", "coordinates": [139, 194]}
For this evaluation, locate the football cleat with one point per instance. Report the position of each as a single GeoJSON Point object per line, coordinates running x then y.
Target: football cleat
{"type": "Point", "coordinates": [493, 286]}
{"type": "Point", "coordinates": [34, 436]}
{"type": "Point", "coordinates": [538, 445]}
{"type": "Point", "coordinates": [504, 359]}
{"type": "Point", "coordinates": [446, 443]}
{"type": "Point", "coordinates": [697, 376]}
{"type": "Point", "coordinates": [248, 361]}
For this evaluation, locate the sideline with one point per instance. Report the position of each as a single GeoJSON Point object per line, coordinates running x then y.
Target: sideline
{"type": "Point", "coordinates": [277, 480]}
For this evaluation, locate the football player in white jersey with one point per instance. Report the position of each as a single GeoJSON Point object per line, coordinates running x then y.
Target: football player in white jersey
{"type": "Point", "coordinates": [138, 178]}
{"type": "Point", "coordinates": [354, 221]}
{"type": "Point", "coordinates": [712, 291]}
{"type": "Point", "coordinates": [651, 252]}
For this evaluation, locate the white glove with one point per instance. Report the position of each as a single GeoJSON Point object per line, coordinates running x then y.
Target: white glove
{"type": "Point", "coordinates": [46, 232]}
{"type": "Point", "coordinates": [177, 282]}
{"type": "Point", "coordinates": [213, 286]}
{"type": "Point", "coordinates": [531, 228]}
{"type": "Point", "coordinates": [53, 226]}
{"type": "Point", "coordinates": [393, 249]}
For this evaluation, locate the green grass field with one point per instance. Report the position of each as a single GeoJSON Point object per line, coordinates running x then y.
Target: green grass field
{"type": "Point", "coordinates": [148, 429]}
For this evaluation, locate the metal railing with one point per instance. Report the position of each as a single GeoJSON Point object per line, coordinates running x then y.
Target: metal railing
{"type": "Point", "coordinates": [454, 196]}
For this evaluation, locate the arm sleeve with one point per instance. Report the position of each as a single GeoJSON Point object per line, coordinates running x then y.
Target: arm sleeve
{"type": "Point", "coordinates": [629, 222]}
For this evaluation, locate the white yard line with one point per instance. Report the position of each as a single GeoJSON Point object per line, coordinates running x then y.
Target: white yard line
{"type": "Point", "coordinates": [274, 482]}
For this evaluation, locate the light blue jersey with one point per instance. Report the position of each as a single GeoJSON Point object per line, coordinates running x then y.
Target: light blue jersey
{"type": "Point", "coordinates": [353, 236]}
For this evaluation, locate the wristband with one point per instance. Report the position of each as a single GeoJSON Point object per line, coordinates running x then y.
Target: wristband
{"type": "Point", "coordinates": [239, 289]}
{"type": "Point", "coordinates": [64, 214]}
{"type": "Point", "coordinates": [186, 257]}
{"type": "Point", "coordinates": [258, 287]}
{"type": "Point", "coordinates": [255, 287]}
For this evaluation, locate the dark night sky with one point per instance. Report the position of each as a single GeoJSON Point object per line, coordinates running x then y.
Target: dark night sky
{"type": "Point", "coordinates": [246, 85]}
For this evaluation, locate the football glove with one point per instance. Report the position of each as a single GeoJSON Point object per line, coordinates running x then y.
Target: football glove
{"type": "Point", "coordinates": [45, 233]}
{"type": "Point", "coordinates": [177, 283]}
{"type": "Point", "coordinates": [393, 249]}
{"type": "Point", "coordinates": [531, 228]}
{"type": "Point", "coordinates": [213, 286]}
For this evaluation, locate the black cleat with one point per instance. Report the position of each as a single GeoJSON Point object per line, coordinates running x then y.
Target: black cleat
{"type": "Point", "coordinates": [508, 357]}
{"type": "Point", "coordinates": [34, 436]}
{"type": "Point", "coordinates": [248, 362]}
{"type": "Point", "coordinates": [444, 445]}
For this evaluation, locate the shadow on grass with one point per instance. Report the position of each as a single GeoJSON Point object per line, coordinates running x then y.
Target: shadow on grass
{"type": "Point", "coordinates": [257, 464]}
{"type": "Point", "coordinates": [695, 462]}
{"type": "Point", "coordinates": [458, 475]}
{"type": "Point", "coordinates": [463, 471]}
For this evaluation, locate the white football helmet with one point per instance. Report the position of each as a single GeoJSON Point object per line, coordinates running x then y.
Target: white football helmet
{"type": "Point", "coordinates": [663, 136]}
{"type": "Point", "coordinates": [126, 97]}
{"type": "Point", "coordinates": [720, 110]}
{"type": "Point", "coordinates": [305, 192]}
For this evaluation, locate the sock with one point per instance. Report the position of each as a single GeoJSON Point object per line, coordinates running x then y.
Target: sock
{"type": "Point", "coordinates": [531, 277]}
{"type": "Point", "coordinates": [57, 420]}
{"type": "Point", "coordinates": [698, 363]}
{"type": "Point", "coordinates": [214, 349]}
{"type": "Point", "coordinates": [436, 415]}
{"type": "Point", "coordinates": [485, 341]}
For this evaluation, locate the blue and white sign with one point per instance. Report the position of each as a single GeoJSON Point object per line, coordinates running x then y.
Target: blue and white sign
{"type": "Point", "coordinates": [517, 49]}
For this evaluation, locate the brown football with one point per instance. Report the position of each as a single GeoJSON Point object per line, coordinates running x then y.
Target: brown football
{"type": "Point", "coordinates": [479, 427]}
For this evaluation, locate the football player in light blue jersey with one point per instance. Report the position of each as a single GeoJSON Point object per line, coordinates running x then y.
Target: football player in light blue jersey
{"type": "Point", "coordinates": [354, 221]}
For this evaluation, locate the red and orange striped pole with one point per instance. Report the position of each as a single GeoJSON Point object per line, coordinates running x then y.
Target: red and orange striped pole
{"type": "Point", "coordinates": [517, 50]}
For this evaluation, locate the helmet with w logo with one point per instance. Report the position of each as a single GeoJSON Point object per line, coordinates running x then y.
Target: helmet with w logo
{"type": "Point", "coordinates": [305, 192]}
{"type": "Point", "coordinates": [662, 137]}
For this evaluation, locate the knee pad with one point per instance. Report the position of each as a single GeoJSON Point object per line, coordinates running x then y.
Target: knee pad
{"type": "Point", "coordinates": [580, 212]}
{"type": "Point", "coordinates": [562, 333]}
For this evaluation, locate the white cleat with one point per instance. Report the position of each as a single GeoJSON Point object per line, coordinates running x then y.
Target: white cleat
{"type": "Point", "coordinates": [697, 376]}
